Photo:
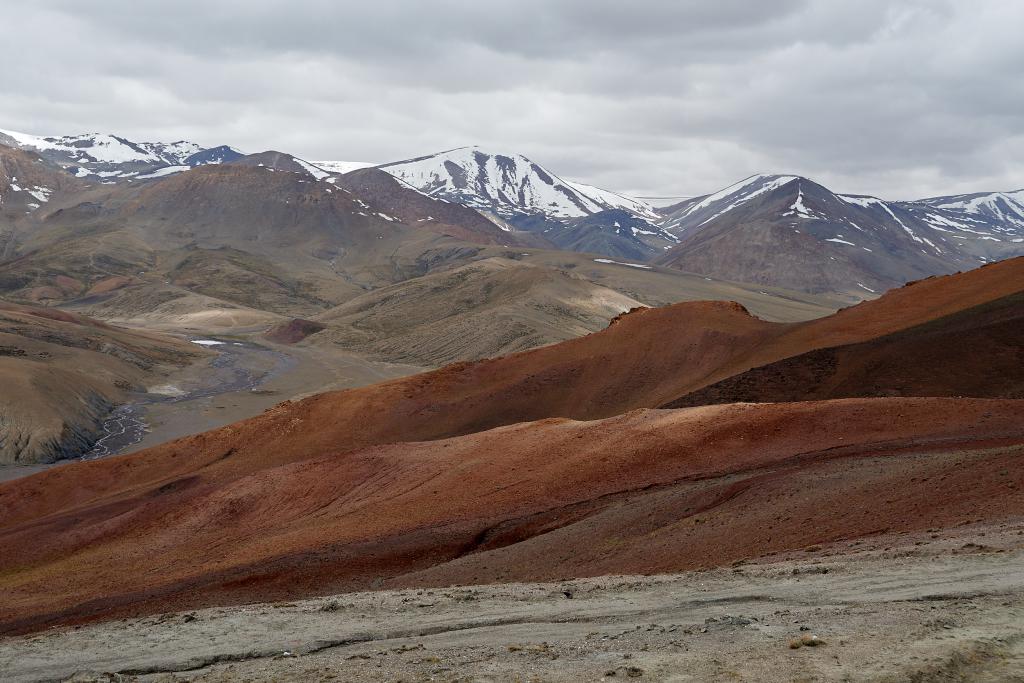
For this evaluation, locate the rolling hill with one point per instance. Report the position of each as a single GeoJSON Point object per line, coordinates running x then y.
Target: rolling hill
{"type": "Point", "coordinates": [540, 464]}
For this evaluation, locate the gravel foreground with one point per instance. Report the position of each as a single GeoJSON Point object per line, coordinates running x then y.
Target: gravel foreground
{"type": "Point", "coordinates": [942, 606]}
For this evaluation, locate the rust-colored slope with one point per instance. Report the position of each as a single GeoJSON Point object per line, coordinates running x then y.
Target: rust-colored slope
{"type": "Point", "coordinates": [633, 363]}
{"type": "Point", "coordinates": [913, 304]}
{"type": "Point", "coordinates": [643, 359]}
{"type": "Point", "coordinates": [645, 491]}
{"type": "Point", "coordinates": [978, 352]}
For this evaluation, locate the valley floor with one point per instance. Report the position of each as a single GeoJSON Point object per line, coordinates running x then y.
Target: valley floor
{"type": "Point", "coordinates": [286, 373]}
{"type": "Point", "coordinates": [934, 606]}
{"type": "Point", "coordinates": [215, 399]}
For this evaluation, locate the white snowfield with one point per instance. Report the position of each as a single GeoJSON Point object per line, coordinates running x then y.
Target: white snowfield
{"type": "Point", "coordinates": [105, 148]}
{"type": "Point", "coordinates": [311, 169]}
{"type": "Point", "coordinates": [166, 170]}
{"type": "Point", "coordinates": [615, 200]}
{"type": "Point", "coordinates": [799, 208]}
{"type": "Point", "coordinates": [621, 263]}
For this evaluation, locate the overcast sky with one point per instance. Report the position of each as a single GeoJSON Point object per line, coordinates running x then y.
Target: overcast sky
{"type": "Point", "coordinates": [899, 99]}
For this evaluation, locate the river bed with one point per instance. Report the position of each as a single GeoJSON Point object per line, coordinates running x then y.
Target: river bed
{"type": "Point", "coordinates": [238, 366]}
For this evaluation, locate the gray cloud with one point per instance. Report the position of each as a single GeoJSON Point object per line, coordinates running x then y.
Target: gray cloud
{"type": "Point", "coordinates": [898, 98]}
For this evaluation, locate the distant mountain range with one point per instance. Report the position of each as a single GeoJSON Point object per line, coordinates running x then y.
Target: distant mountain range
{"type": "Point", "coordinates": [792, 232]}
{"type": "Point", "coordinates": [778, 230]}
{"type": "Point", "coordinates": [111, 156]}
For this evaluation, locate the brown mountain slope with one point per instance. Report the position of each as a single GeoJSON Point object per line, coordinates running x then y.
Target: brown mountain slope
{"type": "Point", "coordinates": [977, 352]}
{"type": "Point", "coordinates": [279, 161]}
{"type": "Point", "coordinates": [263, 236]}
{"type": "Point", "coordinates": [28, 182]}
{"type": "Point", "coordinates": [488, 308]}
{"type": "Point", "coordinates": [645, 491]}
{"type": "Point", "coordinates": [62, 373]}
{"type": "Point", "coordinates": [503, 304]}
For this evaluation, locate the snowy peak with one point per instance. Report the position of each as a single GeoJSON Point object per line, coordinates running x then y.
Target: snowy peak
{"type": "Point", "coordinates": [112, 156]}
{"type": "Point", "coordinates": [509, 185]}
{"type": "Point", "coordinates": [703, 210]}
{"type": "Point", "coordinates": [1002, 207]}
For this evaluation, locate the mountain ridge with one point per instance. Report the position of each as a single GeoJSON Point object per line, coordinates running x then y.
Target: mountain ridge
{"type": "Point", "coordinates": [792, 232]}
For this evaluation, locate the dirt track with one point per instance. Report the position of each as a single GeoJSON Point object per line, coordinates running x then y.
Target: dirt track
{"type": "Point", "coordinates": [925, 607]}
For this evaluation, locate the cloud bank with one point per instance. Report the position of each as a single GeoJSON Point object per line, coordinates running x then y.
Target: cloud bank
{"type": "Point", "coordinates": [899, 99]}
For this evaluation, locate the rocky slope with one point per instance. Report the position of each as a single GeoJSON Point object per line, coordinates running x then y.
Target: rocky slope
{"type": "Point", "coordinates": [27, 183]}
{"type": "Point", "coordinates": [920, 361]}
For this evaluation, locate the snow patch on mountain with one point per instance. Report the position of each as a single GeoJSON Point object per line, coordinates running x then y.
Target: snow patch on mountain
{"type": "Point", "coordinates": [614, 200]}
{"type": "Point", "coordinates": [798, 208]}
{"type": "Point", "coordinates": [167, 170]}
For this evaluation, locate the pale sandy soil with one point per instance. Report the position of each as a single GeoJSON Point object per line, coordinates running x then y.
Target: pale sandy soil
{"type": "Point", "coordinates": [946, 606]}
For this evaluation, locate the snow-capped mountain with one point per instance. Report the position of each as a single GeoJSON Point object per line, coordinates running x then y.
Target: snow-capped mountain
{"type": "Point", "coordinates": [508, 185]}
{"type": "Point", "coordinates": [790, 231]}
{"type": "Point", "coordinates": [693, 213]}
{"type": "Point", "coordinates": [112, 156]}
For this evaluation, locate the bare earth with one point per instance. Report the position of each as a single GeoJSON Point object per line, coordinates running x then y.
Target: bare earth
{"type": "Point", "coordinates": [943, 606]}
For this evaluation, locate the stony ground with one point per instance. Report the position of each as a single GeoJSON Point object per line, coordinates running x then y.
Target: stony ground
{"type": "Point", "coordinates": [943, 606]}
